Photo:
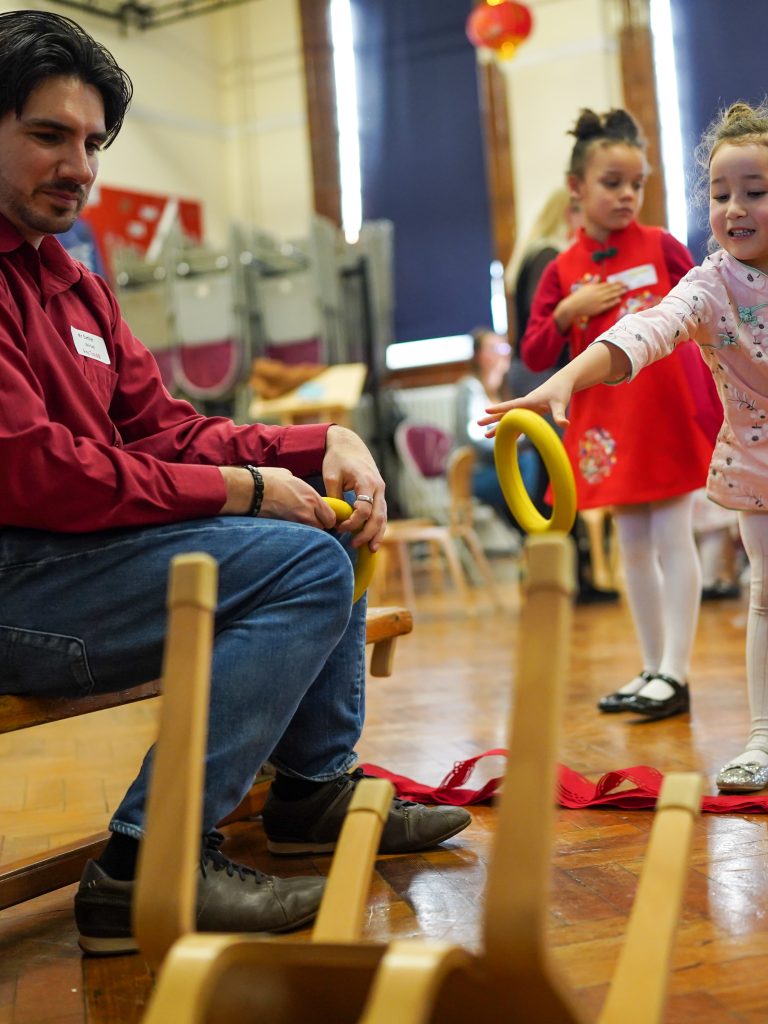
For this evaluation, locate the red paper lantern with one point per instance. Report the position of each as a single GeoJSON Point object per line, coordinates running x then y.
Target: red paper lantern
{"type": "Point", "coordinates": [499, 25]}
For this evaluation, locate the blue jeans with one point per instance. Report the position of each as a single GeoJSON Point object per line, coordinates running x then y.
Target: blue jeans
{"type": "Point", "coordinates": [486, 486]}
{"type": "Point", "coordinates": [84, 613]}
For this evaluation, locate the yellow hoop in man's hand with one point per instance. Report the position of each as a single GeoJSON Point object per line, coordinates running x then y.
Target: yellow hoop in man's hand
{"type": "Point", "coordinates": [366, 559]}
{"type": "Point", "coordinates": [550, 448]}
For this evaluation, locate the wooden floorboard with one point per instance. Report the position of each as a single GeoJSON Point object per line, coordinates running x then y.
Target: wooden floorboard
{"type": "Point", "coordinates": [446, 701]}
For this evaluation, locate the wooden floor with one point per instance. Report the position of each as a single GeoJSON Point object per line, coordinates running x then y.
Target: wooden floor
{"type": "Point", "coordinates": [446, 701]}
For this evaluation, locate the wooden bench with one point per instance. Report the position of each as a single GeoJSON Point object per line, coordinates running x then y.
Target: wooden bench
{"type": "Point", "coordinates": [25, 879]}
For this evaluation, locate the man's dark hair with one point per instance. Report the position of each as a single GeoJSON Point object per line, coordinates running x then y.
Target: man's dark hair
{"type": "Point", "coordinates": [37, 45]}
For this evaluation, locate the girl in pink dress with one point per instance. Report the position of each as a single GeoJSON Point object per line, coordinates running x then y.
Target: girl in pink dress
{"type": "Point", "coordinates": [723, 306]}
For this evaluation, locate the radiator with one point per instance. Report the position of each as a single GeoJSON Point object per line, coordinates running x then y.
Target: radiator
{"type": "Point", "coordinates": [435, 405]}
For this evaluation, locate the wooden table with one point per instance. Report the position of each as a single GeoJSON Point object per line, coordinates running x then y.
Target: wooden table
{"type": "Point", "coordinates": [332, 395]}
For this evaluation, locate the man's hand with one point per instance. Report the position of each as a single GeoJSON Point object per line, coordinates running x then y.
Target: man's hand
{"type": "Point", "coordinates": [285, 497]}
{"type": "Point", "coordinates": [349, 466]}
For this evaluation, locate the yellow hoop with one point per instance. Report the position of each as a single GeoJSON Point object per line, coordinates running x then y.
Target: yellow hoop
{"type": "Point", "coordinates": [550, 447]}
{"type": "Point", "coordinates": [366, 559]}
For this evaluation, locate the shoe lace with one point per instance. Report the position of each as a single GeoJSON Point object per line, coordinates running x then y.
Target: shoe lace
{"type": "Point", "coordinates": [213, 857]}
{"type": "Point", "coordinates": [359, 774]}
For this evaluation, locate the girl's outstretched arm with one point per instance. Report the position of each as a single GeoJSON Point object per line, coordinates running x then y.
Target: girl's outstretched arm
{"type": "Point", "coordinates": [601, 363]}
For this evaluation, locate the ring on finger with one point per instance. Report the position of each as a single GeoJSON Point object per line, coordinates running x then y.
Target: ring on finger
{"type": "Point", "coordinates": [365, 497]}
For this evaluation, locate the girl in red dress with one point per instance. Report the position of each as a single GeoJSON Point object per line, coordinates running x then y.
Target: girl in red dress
{"type": "Point", "coordinates": [644, 448]}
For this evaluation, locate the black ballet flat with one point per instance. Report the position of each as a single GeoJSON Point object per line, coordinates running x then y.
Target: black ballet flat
{"type": "Point", "coordinates": [614, 702]}
{"type": "Point", "coordinates": [652, 710]}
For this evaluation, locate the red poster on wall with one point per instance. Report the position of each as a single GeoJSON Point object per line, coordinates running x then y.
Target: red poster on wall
{"type": "Point", "coordinates": [139, 220]}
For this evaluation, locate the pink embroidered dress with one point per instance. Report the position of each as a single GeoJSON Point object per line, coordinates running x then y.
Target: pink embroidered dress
{"type": "Point", "coordinates": [723, 306]}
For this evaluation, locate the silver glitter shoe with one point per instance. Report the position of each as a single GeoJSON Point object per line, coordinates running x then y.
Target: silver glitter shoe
{"type": "Point", "coordinates": [742, 778]}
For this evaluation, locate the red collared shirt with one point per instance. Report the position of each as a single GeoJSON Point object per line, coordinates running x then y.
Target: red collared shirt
{"type": "Point", "coordinates": [89, 437]}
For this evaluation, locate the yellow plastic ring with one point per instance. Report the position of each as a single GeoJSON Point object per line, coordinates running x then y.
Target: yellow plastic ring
{"type": "Point", "coordinates": [550, 447]}
{"type": "Point", "coordinates": [366, 559]}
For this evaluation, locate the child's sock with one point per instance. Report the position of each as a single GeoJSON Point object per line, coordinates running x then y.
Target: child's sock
{"type": "Point", "coordinates": [635, 685]}
{"type": "Point", "coordinates": [752, 755]}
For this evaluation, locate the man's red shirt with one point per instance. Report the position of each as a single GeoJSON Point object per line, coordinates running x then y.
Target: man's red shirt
{"type": "Point", "coordinates": [92, 442]}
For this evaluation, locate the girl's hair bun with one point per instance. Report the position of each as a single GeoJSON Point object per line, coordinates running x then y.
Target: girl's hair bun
{"type": "Point", "coordinates": [587, 126]}
{"type": "Point", "coordinates": [737, 112]}
{"type": "Point", "coordinates": [617, 126]}
{"type": "Point", "coordinates": [621, 125]}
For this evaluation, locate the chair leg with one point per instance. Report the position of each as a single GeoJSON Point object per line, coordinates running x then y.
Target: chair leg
{"type": "Point", "coordinates": [602, 571]}
{"type": "Point", "coordinates": [475, 548]}
{"type": "Point", "coordinates": [454, 567]}
{"type": "Point", "coordinates": [436, 566]}
{"type": "Point", "coordinates": [406, 573]}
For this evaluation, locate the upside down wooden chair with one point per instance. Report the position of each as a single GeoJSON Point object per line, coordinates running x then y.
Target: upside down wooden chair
{"type": "Point", "coordinates": [51, 869]}
{"type": "Point", "coordinates": [164, 907]}
{"type": "Point", "coordinates": [235, 979]}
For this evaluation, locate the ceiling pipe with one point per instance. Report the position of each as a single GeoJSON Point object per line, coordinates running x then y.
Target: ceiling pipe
{"type": "Point", "coordinates": [135, 15]}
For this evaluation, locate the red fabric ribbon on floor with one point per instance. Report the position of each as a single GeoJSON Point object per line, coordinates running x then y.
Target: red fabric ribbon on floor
{"type": "Point", "coordinates": [633, 788]}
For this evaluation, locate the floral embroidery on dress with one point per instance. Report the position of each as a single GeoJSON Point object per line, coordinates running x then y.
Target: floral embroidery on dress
{"type": "Point", "coordinates": [642, 300]}
{"type": "Point", "coordinates": [754, 499]}
{"type": "Point", "coordinates": [597, 454]}
{"type": "Point", "coordinates": [752, 278]}
{"type": "Point", "coordinates": [755, 433]}
{"type": "Point", "coordinates": [583, 321]}
{"type": "Point", "coordinates": [748, 315]}
{"type": "Point", "coordinates": [744, 403]}
{"type": "Point", "coordinates": [758, 328]}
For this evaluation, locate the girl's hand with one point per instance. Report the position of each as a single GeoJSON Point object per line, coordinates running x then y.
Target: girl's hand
{"type": "Point", "coordinates": [589, 300]}
{"type": "Point", "coordinates": [552, 397]}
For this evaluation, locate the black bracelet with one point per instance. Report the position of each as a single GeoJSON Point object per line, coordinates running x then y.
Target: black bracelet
{"type": "Point", "coordinates": [258, 490]}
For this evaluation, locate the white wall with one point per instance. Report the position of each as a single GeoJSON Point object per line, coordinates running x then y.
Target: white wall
{"type": "Point", "coordinates": [261, 77]}
{"type": "Point", "coordinates": [218, 114]}
{"type": "Point", "coordinates": [570, 61]}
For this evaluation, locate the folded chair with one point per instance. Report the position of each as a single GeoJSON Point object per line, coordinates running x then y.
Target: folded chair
{"type": "Point", "coordinates": [53, 868]}
{"type": "Point", "coordinates": [438, 983]}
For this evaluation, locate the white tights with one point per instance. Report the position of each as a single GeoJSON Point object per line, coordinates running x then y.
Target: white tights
{"type": "Point", "coordinates": [663, 579]}
{"type": "Point", "coordinates": [754, 533]}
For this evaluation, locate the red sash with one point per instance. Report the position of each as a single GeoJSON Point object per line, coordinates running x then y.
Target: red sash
{"type": "Point", "coordinates": [572, 790]}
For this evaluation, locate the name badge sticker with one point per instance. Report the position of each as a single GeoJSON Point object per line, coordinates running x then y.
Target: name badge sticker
{"type": "Point", "coordinates": [636, 277]}
{"type": "Point", "coordinates": [90, 345]}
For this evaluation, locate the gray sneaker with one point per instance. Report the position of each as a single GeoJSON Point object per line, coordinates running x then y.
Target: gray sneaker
{"type": "Point", "coordinates": [313, 824]}
{"type": "Point", "coordinates": [230, 898]}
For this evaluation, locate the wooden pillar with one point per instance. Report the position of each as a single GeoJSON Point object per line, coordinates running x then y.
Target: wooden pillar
{"type": "Point", "coordinates": [498, 159]}
{"type": "Point", "coordinates": [639, 88]}
{"type": "Point", "coordinates": [321, 107]}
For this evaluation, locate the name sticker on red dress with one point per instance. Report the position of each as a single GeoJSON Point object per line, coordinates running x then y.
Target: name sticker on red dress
{"type": "Point", "coordinates": [636, 277]}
